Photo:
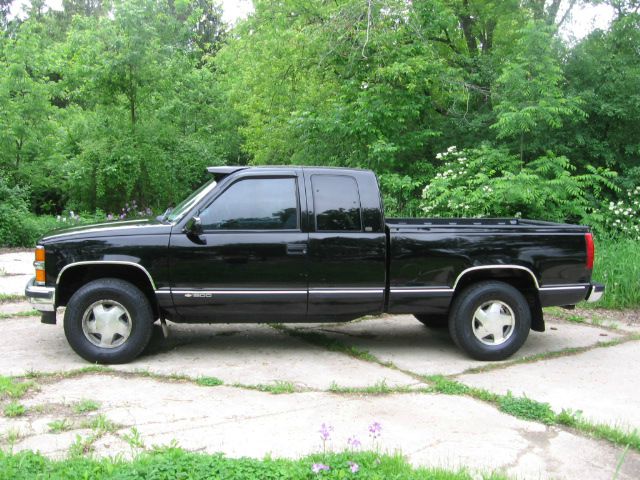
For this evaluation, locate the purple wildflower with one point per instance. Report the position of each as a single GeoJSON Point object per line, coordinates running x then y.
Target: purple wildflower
{"type": "Point", "coordinates": [375, 429]}
{"type": "Point", "coordinates": [110, 217]}
{"type": "Point", "coordinates": [325, 432]}
{"type": "Point", "coordinates": [318, 467]}
{"type": "Point", "coordinates": [353, 442]}
{"type": "Point", "coordinates": [354, 467]}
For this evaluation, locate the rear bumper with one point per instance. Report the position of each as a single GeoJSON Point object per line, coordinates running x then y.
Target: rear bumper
{"type": "Point", "coordinates": [41, 298]}
{"type": "Point", "coordinates": [596, 290]}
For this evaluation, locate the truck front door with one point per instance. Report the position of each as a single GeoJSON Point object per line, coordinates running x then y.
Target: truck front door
{"type": "Point", "coordinates": [249, 263]}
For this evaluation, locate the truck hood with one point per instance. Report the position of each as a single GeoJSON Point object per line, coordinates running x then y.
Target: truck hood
{"type": "Point", "coordinates": [108, 229]}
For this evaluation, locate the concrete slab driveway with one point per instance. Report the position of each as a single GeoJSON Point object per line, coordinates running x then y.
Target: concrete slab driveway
{"type": "Point", "coordinates": [252, 390]}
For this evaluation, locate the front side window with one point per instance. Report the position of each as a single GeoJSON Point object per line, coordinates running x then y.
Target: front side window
{"type": "Point", "coordinates": [254, 204]}
{"type": "Point", "coordinates": [337, 203]}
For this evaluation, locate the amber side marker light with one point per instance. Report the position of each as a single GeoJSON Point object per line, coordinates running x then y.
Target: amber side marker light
{"type": "Point", "coordinates": [39, 264]}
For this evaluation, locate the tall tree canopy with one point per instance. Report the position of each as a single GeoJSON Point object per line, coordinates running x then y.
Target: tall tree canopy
{"type": "Point", "coordinates": [109, 101]}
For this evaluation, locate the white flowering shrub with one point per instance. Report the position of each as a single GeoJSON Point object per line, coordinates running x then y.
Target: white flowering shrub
{"type": "Point", "coordinates": [489, 182]}
{"type": "Point", "coordinates": [620, 219]}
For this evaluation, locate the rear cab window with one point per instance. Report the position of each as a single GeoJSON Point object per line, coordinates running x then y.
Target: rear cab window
{"type": "Point", "coordinates": [337, 203]}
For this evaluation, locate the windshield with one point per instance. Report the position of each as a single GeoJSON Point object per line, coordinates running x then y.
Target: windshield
{"type": "Point", "coordinates": [184, 206]}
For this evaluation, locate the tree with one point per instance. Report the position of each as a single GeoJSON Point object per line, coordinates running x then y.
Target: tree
{"type": "Point", "coordinates": [529, 96]}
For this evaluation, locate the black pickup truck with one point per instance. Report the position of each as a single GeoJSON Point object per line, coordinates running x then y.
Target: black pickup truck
{"type": "Point", "coordinates": [300, 244]}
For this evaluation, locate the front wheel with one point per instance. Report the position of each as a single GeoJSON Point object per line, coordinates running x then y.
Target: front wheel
{"type": "Point", "coordinates": [490, 320]}
{"type": "Point", "coordinates": [108, 321]}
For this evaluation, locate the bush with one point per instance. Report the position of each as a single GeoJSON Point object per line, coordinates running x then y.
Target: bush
{"type": "Point", "coordinates": [617, 265]}
{"type": "Point", "coordinates": [490, 182]}
{"type": "Point", "coordinates": [619, 219]}
{"type": "Point", "coordinates": [13, 211]}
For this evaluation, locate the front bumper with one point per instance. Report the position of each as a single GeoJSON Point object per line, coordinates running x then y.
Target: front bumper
{"type": "Point", "coordinates": [596, 290]}
{"type": "Point", "coordinates": [41, 298]}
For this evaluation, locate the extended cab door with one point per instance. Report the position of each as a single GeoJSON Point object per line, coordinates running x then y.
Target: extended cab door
{"type": "Point", "coordinates": [347, 244]}
{"type": "Point", "coordinates": [249, 263]}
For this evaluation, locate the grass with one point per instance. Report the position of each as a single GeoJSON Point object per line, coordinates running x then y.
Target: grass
{"type": "Point", "coordinates": [100, 424]}
{"type": "Point", "coordinates": [565, 352]}
{"type": "Point", "coordinates": [379, 388]}
{"type": "Point", "coordinates": [617, 265]}
{"type": "Point", "coordinates": [14, 409]}
{"type": "Point", "coordinates": [58, 426]}
{"type": "Point", "coordinates": [209, 381]}
{"type": "Point", "coordinates": [86, 405]}
{"type": "Point", "coordinates": [528, 409]}
{"type": "Point", "coordinates": [25, 313]}
{"type": "Point", "coordinates": [171, 463]}
{"type": "Point", "coordinates": [615, 434]}
{"type": "Point", "coordinates": [277, 388]}
{"type": "Point", "coordinates": [11, 297]}
{"type": "Point", "coordinates": [12, 388]}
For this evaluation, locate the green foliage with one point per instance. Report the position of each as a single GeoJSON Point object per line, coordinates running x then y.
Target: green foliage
{"type": "Point", "coordinates": [209, 381]}
{"type": "Point", "coordinates": [14, 409]}
{"type": "Point", "coordinates": [401, 194]}
{"type": "Point", "coordinates": [171, 463]}
{"type": "Point", "coordinates": [58, 426]}
{"type": "Point", "coordinates": [617, 265]}
{"type": "Point", "coordinates": [523, 407]}
{"type": "Point", "coordinates": [486, 181]}
{"type": "Point", "coordinates": [86, 405]}
{"type": "Point", "coordinates": [618, 220]}
{"type": "Point", "coordinates": [529, 95]}
{"type": "Point", "coordinates": [12, 388]}
{"type": "Point", "coordinates": [447, 386]}
{"type": "Point", "coordinates": [604, 71]}
{"type": "Point", "coordinates": [13, 210]}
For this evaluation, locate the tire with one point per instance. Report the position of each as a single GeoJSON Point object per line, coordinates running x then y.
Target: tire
{"type": "Point", "coordinates": [507, 320]}
{"type": "Point", "coordinates": [432, 321]}
{"type": "Point", "coordinates": [108, 321]}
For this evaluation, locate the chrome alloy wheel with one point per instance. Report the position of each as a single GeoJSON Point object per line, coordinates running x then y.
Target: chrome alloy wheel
{"type": "Point", "coordinates": [106, 324]}
{"type": "Point", "coordinates": [493, 322]}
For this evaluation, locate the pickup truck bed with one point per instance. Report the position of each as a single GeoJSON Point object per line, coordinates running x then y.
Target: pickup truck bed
{"type": "Point", "coordinates": [302, 244]}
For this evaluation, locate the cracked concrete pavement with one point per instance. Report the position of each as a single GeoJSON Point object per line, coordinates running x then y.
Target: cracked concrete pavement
{"type": "Point", "coordinates": [430, 429]}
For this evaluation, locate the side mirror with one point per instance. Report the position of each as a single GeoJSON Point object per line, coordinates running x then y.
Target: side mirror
{"type": "Point", "coordinates": [193, 227]}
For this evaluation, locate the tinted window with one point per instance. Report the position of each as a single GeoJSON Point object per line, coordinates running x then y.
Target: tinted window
{"type": "Point", "coordinates": [337, 203]}
{"type": "Point", "coordinates": [254, 204]}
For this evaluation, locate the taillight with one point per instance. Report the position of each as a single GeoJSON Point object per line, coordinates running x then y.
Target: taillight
{"type": "Point", "coordinates": [590, 250]}
{"type": "Point", "coordinates": [39, 264]}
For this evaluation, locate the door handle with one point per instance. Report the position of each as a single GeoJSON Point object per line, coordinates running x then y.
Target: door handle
{"type": "Point", "coordinates": [296, 248]}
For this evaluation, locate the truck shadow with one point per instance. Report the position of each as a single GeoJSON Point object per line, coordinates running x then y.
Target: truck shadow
{"type": "Point", "coordinates": [247, 337]}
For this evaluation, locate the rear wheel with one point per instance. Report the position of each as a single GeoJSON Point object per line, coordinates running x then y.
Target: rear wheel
{"type": "Point", "coordinates": [108, 321]}
{"type": "Point", "coordinates": [432, 321]}
{"type": "Point", "coordinates": [490, 320]}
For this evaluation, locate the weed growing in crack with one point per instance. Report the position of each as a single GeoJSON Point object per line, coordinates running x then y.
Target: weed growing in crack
{"type": "Point", "coordinates": [14, 409]}
{"type": "Point", "coordinates": [134, 439]}
{"type": "Point", "coordinates": [58, 426]}
{"type": "Point", "coordinates": [86, 405]}
{"type": "Point", "coordinates": [100, 424]}
{"type": "Point", "coordinates": [209, 381]}
{"type": "Point", "coordinates": [82, 446]}
{"type": "Point", "coordinates": [12, 388]}
{"type": "Point", "coordinates": [526, 408]}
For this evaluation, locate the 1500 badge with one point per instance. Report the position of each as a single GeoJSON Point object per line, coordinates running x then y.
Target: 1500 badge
{"type": "Point", "coordinates": [198, 295]}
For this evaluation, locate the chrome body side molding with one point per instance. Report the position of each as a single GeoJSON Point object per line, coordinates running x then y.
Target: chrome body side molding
{"type": "Point", "coordinates": [106, 262]}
